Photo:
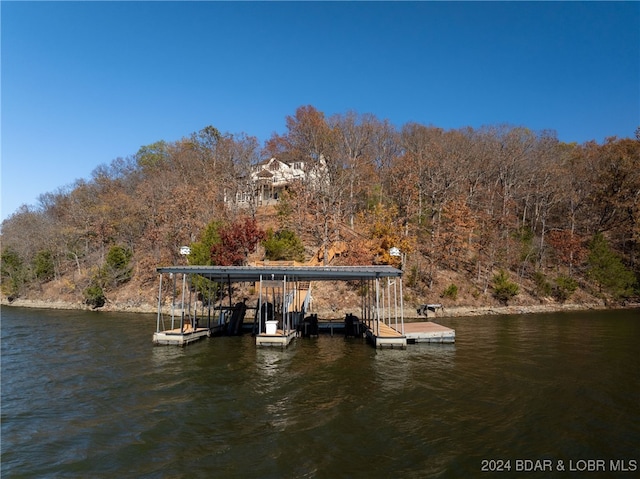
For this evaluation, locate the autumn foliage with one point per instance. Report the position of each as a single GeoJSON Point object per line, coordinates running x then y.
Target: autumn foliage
{"type": "Point", "coordinates": [470, 203]}
{"type": "Point", "coordinates": [237, 241]}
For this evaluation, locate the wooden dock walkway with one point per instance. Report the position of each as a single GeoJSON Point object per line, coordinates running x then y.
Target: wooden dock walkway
{"type": "Point", "coordinates": [383, 336]}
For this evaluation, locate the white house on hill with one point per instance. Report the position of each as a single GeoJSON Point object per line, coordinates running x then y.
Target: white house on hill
{"type": "Point", "coordinates": [271, 177]}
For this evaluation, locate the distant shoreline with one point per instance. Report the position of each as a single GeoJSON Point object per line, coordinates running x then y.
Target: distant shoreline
{"type": "Point", "coordinates": [409, 313]}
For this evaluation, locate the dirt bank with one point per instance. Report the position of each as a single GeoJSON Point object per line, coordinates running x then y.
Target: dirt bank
{"type": "Point", "coordinates": [325, 312]}
{"type": "Point", "coordinates": [53, 304]}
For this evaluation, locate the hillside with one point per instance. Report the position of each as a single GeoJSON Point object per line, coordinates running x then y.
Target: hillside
{"type": "Point", "coordinates": [481, 218]}
{"type": "Point", "coordinates": [331, 300]}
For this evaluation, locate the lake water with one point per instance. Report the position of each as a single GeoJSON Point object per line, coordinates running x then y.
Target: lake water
{"type": "Point", "coordinates": [86, 394]}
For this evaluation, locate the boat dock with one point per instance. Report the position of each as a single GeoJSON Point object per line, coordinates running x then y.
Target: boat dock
{"type": "Point", "coordinates": [283, 300]}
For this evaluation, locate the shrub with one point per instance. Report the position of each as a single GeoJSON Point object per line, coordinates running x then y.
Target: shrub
{"type": "Point", "coordinates": [412, 276]}
{"type": "Point", "coordinates": [451, 292]}
{"type": "Point", "coordinates": [116, 269]}
{"type": "Point", "coordinates": [237, 240]}
{"type": "Point", "coordinates": [94, 296]}
{"type": "Point", "coordinates": [564, 288]}
{"type": "Point", "coordinates": [201, 255]}
{"type": "Point", "coordinates": [13, 273]}
{"type": "Point", "coordinates": [543, 287]}
{"type": "Point", "coordinates": [608, 271]}
{"type": "Point", "coordinates": [503, 288]}
{"type": "Point", "coordinates": [525, 236]}
{"type": "Point", "coordinates": [43, 266]}
{"type": "Point", "coordinates": [283, 245]}
{"type": "Point", "coordinates": [201, 250]}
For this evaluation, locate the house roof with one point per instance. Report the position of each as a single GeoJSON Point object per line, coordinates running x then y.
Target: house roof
{"type": "Point", "coordinates": [265, 174]}
{"type": "Point", "coordinates": [239, 274]}
{"type": "Point", "coordinates": [264, 162]}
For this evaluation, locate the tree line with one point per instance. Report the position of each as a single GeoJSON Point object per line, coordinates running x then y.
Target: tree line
{"type": "Point", "coordinates": [498, 205]}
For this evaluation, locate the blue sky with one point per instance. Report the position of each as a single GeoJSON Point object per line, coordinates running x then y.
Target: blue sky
{"type": "Point", "coordinates": [86, 82]}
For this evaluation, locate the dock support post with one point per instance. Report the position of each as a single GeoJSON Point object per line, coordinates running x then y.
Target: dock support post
{"type": "Point", "coordinates": [388, 302]}
{"type": "Point", "coordinates": [401, 307]}
{"type": "Point", "coordinates": [395, 301]}
{"type": "Point", "coordinates": [184, 286]}
{"type": "Point", "coordinates": [191, 313]}
{"type": "Point", "coordinates": [377, 304]}
{"type": "Point", "coordinates": [173, 299]}
{"type": "Point", "coordinates": [159, 304]}
{"type": "Point", "coordinates": [209, 306]}
{"type": "Point", "coordinates": [285, 307]}
{"type": "Point", "coordinates": [260, 307]}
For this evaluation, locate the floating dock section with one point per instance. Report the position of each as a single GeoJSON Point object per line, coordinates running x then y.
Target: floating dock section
{"type": "Point", "coordinates": [428, 332]}
{"type": "Point", "coordinates": [384, 336]}
{"type": "Point", "coordinates": [176, 337]}
{"type": "Point", "coordinates": [279, 338]}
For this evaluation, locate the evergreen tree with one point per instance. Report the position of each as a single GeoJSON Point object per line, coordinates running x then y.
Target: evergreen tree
{"type": "Point", "coordinates": [283, 245]}
{"type": "Point", "coordinates": [201, 251]}
{"type": "Point", "coordinates": [13, 273]}
{"type": "Point", "coordinates": [116, 269]}
{"type": "Point", "coordinates": [608, 271]}
{"type": "Point", "coordinates": [565, 286]}
{"type": "Point", "coordinates": [43, 266]}
{"type": "Point", "coordinates": [94, 295]}
{"type": "Point", "coordinates": [503, 288]}
{"type": "Point", "coordinates": [201, 255]}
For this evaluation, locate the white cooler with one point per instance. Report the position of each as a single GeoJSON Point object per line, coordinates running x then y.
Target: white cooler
{"type": "Point", "coordinates": [271, 327]}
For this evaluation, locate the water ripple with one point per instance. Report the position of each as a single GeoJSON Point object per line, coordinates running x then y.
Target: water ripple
{"type": "Point", "coordinates": [87, 395]}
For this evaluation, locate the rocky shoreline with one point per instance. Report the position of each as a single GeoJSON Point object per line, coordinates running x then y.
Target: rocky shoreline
{"type": "Point", "coordinates": [53, 304]}
{"type": "Point", "coordinates": [409, 313]}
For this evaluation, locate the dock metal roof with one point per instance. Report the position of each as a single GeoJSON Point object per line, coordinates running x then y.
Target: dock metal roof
{"type": "Point", "coordinates": [238, 274]}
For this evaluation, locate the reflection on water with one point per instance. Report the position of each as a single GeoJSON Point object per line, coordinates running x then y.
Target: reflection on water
{"type": "Point", "coordinates": [88, 395]}
{"type": "Point", "coordinates": [391, 369]}
{"type": "Point", "coordinates": [164, 357]}
{"type": "Point", "coordinates": [270, 360]}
